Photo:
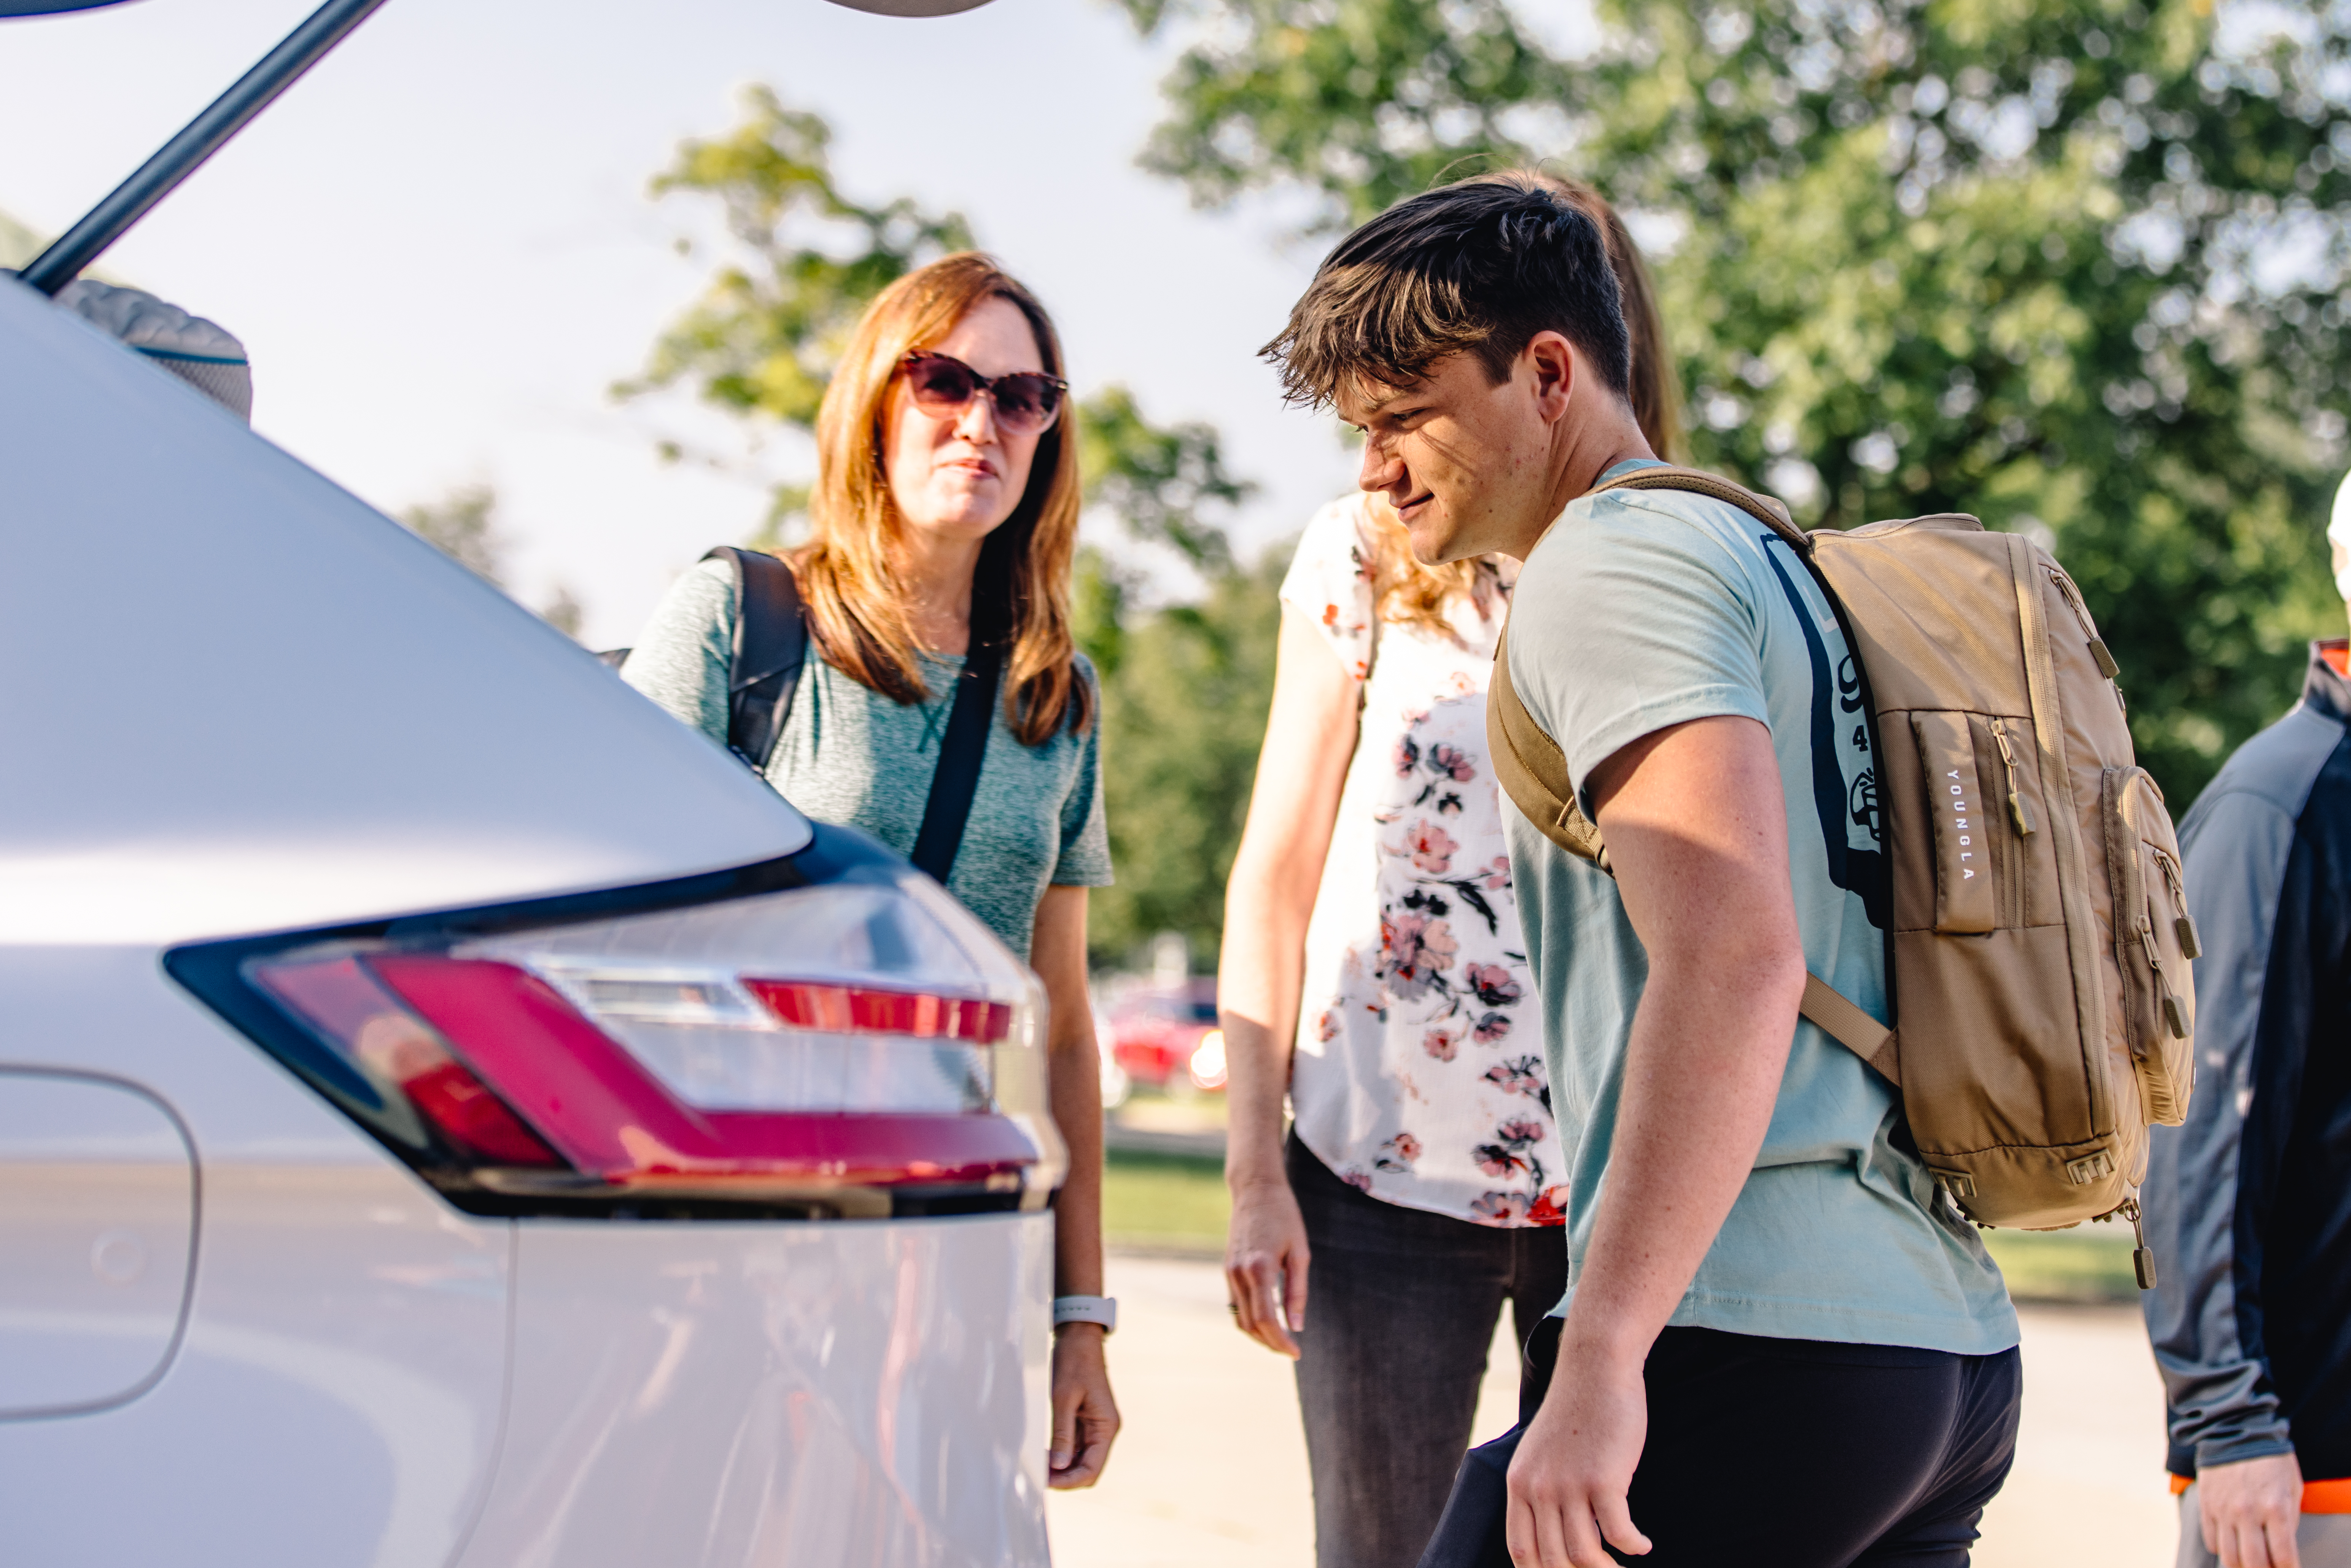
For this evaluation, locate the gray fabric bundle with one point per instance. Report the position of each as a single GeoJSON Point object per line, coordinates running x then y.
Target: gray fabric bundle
{"type": "Point", "coordinates": [200, 353]}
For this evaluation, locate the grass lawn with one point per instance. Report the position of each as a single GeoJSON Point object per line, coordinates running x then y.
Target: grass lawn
{"type": "Point", "coordinates": [1163, 1203]}
{"type": "Point", "coordinates": [1168, 1203]}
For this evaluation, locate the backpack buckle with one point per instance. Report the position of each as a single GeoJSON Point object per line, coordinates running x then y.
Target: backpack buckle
{"type": "Point", "coordinates": [2090, 1168]}
{"type": "Point", "coordinates": [1958, 1184]}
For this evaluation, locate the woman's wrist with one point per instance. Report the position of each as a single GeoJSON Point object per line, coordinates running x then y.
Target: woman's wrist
{"type": "Point", "coordinates": [1259, 1172]}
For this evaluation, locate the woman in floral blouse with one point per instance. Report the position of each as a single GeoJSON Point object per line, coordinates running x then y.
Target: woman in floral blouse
{"type": "Point", "coordinates": [1369, 920]}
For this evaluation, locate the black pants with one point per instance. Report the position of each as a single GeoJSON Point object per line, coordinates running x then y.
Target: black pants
{"type": "Point", "coordinates": [1400, 1310]}
{"type": "Point", "coordinates": [1775, 1453]}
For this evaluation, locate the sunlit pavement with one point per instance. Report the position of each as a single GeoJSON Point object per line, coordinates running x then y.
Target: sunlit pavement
{"type": "Point", "coordinates": [1211, 1469]}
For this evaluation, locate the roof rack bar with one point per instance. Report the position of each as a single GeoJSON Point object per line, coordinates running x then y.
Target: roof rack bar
{"type": "Point", "coordinates": [203, 136]}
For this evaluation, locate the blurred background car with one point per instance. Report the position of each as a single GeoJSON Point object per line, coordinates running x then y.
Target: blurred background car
{"type": "Point", "coordinates": [1167, 1038]}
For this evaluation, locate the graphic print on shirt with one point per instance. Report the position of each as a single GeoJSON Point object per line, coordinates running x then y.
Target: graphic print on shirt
{"type": "Point", "coordinates": [1840, 731]}
{"type": "Point", "coordinates": [1416, 1080]}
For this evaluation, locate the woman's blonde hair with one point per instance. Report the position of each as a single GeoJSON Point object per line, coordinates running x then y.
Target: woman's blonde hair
{"type": "Point", "coordinates": [1405, 591]}
{"type": "Point", "coordinates": [848, 573]}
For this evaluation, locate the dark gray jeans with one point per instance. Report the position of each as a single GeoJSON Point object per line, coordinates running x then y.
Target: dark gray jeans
{"type": "Point", "coordinates": [1400, 1310]}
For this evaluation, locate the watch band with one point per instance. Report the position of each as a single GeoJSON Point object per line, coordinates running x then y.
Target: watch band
{"type": "Point", "coordinates": [1102, 1310]}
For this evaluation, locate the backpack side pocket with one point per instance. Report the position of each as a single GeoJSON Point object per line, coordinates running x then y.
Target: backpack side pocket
{"type": "Point", "coordinates": [2155, 940]}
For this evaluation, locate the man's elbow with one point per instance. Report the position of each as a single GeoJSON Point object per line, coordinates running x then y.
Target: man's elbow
{"type": "Point", "coordinates": [1754, 960]}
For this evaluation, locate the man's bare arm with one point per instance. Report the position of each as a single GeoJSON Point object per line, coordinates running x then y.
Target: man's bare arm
{"type": "Point", "coordinates": [1696, 830]}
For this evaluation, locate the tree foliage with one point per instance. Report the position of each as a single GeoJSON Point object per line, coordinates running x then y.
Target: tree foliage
{"type": "Point", "coordinates": [766, 332]}
{"type": "Point", "coordinates": [1185, 696]}
{"type": "Point", "coordinates": [2071, 264]}
{"type": "Point", "coordinates": [1184, 689]}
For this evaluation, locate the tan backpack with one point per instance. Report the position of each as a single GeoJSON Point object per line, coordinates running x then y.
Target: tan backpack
{"type": "Point", "coordinates": [2040, 944]}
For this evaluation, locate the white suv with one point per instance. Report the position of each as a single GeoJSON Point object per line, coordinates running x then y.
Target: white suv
{"type": "Point", "coordinates": [450, 1113]}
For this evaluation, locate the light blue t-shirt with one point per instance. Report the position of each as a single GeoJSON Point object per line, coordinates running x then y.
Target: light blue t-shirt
{"type": "Point", "coordinates": [1645, 608]}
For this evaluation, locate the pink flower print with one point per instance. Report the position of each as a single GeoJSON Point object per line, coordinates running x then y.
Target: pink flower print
{"type": "Point", "coordinates": [1444, 759]}
{"type": "Point", "coordinates": [1492, 985]}
{"type": "Point", "coordinates": [1500, 1207]}
{"type": "Point", "coordinates": [1440, 1044]}
{"type": "Point", "coordinates": [1521, 1133]}
{"type": "Point", "coordinates": [1414, 951]}
{"type": "Point", "coordinates": [1497, 876]}
{"type": "Point", "coordinates": [1397, 1156]}
{"type": "Point", "coordinates": [1497, 1160]}
{"type": "Point", "coordinates": [1490, 1029]}
{"type": "Point", "coordinates": [1360, 1180]}
{"type": "Point", "coordinates": [1407, 755]}
{"type": "Point", "coordinates": [1519, 1076]}
{"type": "Point", "coordinates": [1430, 847]}
{"type": "Point", "coordinates": [1328, 1031]}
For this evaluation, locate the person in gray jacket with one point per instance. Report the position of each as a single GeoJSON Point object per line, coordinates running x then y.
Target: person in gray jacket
{"type": "Point", "coordinates": [2250, 1201]}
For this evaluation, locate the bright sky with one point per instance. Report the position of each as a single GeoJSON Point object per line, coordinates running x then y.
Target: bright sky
{"type": "Point", "coordinates": [438, 249]}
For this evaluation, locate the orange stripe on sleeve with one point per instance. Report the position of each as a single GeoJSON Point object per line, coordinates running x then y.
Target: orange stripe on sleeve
{"type": "Point", "coordinates": [2318, 1497]}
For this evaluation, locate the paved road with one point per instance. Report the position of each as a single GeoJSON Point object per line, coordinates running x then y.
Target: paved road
{"type": "Point", "coordinates": [1212, 1469]}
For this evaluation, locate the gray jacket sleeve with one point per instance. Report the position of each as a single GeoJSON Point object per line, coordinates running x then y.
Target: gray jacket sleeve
{"type": "Point", "coordinates": [2221, 1405]}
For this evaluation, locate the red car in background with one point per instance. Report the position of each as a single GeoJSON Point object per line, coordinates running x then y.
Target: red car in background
{"type": "Point", "coordinates": [1168, 1037]}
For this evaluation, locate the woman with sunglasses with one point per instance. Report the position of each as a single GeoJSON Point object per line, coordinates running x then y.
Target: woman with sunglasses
{"type": "Point", "coordinates": [945, 517]}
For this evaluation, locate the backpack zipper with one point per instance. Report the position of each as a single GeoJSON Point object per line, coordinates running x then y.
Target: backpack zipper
{"type": "Point", "coordinates": [2174, 1011]}
{"type": "Point", "coordinates": [2098, 652]}
{"type": "Point", "coordinates": [2016, 799]}
{"type": "Point", "coordinates": [2183, 924]}
{"type": "Point", "coordinates": [2142, 1256]}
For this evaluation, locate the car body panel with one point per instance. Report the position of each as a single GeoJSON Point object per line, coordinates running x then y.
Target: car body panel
{"type": "Point", "coordinates": [287, 709]}
{"type": "Point", "coordinates": [336, 1394]}
{"type": "Point", "coordinates": [703, 1397]}
{"type": "Point", "coordinates": [248, 703]}
{"type": "Point", "coordinates": [98, 1233]}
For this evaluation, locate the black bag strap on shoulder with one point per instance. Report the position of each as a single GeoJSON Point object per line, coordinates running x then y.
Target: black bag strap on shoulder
{"type": "Point", "coordinates": [962, 750]}
{"type": "Point", "coordinates": [770, 646]}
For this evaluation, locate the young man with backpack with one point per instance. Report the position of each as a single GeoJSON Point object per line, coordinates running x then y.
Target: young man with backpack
{"type": "Point", "coordinates": [2251, 1196]}
{"type": "Point", "coordinates": [1781, 1344]}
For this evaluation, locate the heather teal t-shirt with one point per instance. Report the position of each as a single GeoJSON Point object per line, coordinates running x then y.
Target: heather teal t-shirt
{"type": "Point", "coordinates": [850, 755]}
{"type": "Point", "coordinates": [1645, 608]}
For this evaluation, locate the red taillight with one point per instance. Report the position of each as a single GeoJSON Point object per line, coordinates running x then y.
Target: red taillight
{"type": "Point", "coordinates": [594, 1101]}
{"type": "Point", "coordinates": [851, 1009]}
{"type": "Point", "coordinates": [651, 1053]}
{"type": "Point", "coordinates": [344, 1004]}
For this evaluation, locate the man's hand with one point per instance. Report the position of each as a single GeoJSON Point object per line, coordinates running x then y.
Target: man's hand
{"type": "Point", "coordinates": [1085, 1418]}
{"type": "Point", "coordinates": [1264, 1264]}
{"type": "Point", "coordinates": [1574, 1465]}
{"type": "Point", "coordinates": [2249, 1511]}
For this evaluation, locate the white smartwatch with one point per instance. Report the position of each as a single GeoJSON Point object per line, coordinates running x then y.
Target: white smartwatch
{"type": "Point", "coordinates": [1102, 1310]}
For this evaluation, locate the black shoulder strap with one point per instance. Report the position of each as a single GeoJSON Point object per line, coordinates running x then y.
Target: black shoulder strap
{"type": "Point", "coordinates": [770, 646]}
{"type": "Point", "coordinates": [957, 779]}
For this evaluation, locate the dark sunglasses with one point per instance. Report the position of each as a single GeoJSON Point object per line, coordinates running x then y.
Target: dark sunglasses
{"type": "Point", "coordinates": [1026, 401]}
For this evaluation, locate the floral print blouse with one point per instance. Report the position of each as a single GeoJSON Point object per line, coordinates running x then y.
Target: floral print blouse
{"type": "Point", "coordinates": [1418, 1075]}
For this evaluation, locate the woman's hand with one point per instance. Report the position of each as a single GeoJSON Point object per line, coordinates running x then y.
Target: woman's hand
{"type": "Point", "coordinates": [1085, 1417]}
{"type": "Point", "coordinates": [1264, 1264]}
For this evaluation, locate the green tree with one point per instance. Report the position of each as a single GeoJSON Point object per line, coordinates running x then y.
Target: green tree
{"type": "Point", "coordinates": [1184, 712]}
{"type": "Point", "coordinates": [761, 343]}
{"type": "Point", "coordinates": [2071, 264]}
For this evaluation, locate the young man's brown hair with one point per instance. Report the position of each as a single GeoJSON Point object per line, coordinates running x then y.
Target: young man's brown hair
{"type": "Point", "coordinates": [1476, 267]}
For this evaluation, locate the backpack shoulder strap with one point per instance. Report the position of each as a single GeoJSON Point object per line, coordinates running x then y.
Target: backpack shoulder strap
{"type": "Point", "coordinates": [1762, 508]}
{"type": "Point", "coordinates": [1533, 771]}
{"type": "Point", "coordinates": [770, 646]}
{"type": "Point", "coordinates": [956, 780]}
